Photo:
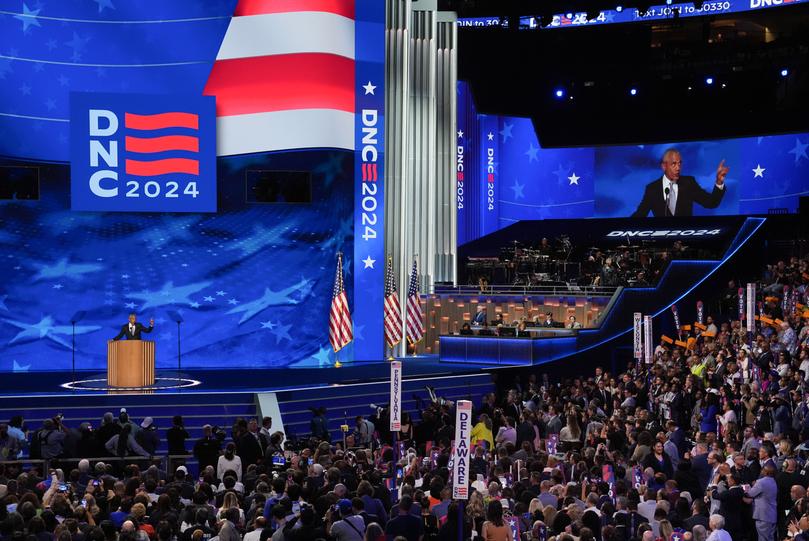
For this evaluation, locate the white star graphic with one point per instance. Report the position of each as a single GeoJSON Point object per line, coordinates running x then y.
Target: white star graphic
{"type": "Point", "coordinates": [758, 171]}
{"type": "Point", "coordinates": [369, 263]}
{"type": "Point", "coordinates": [799, 151]}
{"type": "Point", "coordinates": [369, 88]}
{"type": "Point", "coordinates": [573, 179]}
{"type": "Point", "coordinates": [460, 134]}
{"type": "Point", "coordinates": [221, 293]}
{"type": "Point", "coordinates": [490, 136]}
{"type": "Point", "coordinates": [208, 299]}
{"type": "Point", "coordinates": [267, 325]}
{"type": "Point", "coordinates": [532, 153]}
{"type": "Point", "coordinates": [57, 286]}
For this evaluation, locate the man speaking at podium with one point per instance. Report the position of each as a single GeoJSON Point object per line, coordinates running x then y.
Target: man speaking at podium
{"type": "Point", "coordinates": [673, 195]}
{"type": "Point", "coordinates": [133, 329]}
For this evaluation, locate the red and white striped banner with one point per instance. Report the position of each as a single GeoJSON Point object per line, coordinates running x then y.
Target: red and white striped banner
{"type": "Point", "coordinates": [284, 77]}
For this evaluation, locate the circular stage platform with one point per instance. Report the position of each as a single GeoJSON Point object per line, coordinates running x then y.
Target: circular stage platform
{"type": "Point", "coordinates": [160, 384]}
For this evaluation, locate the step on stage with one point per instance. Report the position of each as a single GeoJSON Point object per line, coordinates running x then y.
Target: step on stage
{"type": "Point", "coordinates": [227, 380]}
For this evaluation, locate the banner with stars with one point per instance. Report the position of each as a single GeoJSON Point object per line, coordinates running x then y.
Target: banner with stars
{"type": "Point", "coordinates": [369, 179]}
{"type": "Point", "coordinates": [465, 165]}
{"type": "Point", "coordinates": [488, 173]}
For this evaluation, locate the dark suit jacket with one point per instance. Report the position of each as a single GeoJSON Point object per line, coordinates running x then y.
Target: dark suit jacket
{"type": "Point", "coordinates": [688, 193]}
{"type": "Point", "coordinates": [731, 506]}
{"type": "Point", "coordinates": [135, 335]}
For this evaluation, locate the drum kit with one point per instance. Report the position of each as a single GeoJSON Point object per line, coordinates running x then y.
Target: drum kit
{"type": "Point", "coordinates": [551, 263]}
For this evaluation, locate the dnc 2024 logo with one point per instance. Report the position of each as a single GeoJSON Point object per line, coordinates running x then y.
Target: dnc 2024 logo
{"type": "Point", "coordinates": [142, 153]}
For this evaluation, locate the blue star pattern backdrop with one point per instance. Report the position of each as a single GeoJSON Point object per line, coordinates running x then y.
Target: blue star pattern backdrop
{"type": "Point", "coordinates": [252, 282]}
{"type": "Point", "coordinates": [531, 183]}
{"type": "Point", "coordinates": [48, 49]}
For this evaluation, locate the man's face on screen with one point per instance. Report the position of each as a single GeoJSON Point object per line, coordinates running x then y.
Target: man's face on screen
{"type": "Point", "coordinates": [132, 318]}
{"type": "Point", "coordinates": [671, 165]}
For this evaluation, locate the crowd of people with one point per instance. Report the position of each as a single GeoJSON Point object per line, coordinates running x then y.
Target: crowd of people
{"type": "Point", "coordinates": [708, 442]}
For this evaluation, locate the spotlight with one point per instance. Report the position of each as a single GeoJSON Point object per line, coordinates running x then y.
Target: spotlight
{"type": "Point", "coordinates": [559, 93]}
{"type": "Point", "coordinates": [689, 88]}
{"type": "Point", "coordinates": [724, 85]}
{"type": "Point", "coordinates": [709, 80]}
{"type": "Point", "coordinates": [619, 9]}
{"type": "Point", "coordinates": [668, 2]}
{"type": "Point", "coordinates": [569, 15]}
{"type": "Point", "coordinates": [784, 72]}
{"type": "Point", "coordinates": [633, 91]}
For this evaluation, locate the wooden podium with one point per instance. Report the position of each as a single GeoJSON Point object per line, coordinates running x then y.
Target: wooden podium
{"type": "Point", "coordinates": [130, 363]}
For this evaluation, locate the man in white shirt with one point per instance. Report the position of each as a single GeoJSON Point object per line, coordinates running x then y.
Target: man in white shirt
{"type": "Point", "coordinates": [716, 523]}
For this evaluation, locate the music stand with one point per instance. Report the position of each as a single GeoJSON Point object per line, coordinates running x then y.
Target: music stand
{"type": "Point", "coordinates": [177, 318]}
{"type": "Point", "coordinates": [78, 316]}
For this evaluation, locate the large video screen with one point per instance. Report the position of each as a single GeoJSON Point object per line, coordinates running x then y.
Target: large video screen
{"type": "Point", "coordinates": [251, 283]}
{"type": "Point", "coordinates": [504, 176]}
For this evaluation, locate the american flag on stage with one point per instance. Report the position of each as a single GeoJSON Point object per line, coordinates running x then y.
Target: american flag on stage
{"type": "Point", "coordinates": [284, 77]}
{"type": "Point", "coordinates": [340, 333]}
{"type": "Point", "coordinates": [415, 326]}
{"type": "Point", "coordinates": [393, 313]}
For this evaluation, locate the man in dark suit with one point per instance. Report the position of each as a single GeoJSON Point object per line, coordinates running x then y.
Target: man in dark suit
{"type": "Point", "coordinates": [133, 329]}
{"type": "Point", "coordinates": [673, 195]}
{"type": "Point", "coordinates": [730, 494]}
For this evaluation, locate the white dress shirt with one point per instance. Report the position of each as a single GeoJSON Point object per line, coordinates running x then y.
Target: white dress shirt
{"type": "Point", "coordinates": [672, 197]}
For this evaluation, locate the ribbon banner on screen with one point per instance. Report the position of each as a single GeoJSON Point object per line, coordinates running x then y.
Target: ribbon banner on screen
{"type": "Point", "coordinates": [631, 15]}
{"type": "Point", "coordinates": [460, 455]}
{"type": "Point", "coordinates": [142, 153]}
{"type": "Point", "coordinates": [369, 175]}
{"type": "Point", "coordinates": [489, 176]}
{"type": "Point", "coordinates": [465, 164]}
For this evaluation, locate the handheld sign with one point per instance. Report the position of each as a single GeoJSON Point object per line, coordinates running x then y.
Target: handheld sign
{"type": "Point", "coordinates": [460, 454]}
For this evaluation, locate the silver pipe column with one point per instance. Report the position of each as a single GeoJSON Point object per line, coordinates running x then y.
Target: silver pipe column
{"type": "Point", "coordinates": [420, 126]}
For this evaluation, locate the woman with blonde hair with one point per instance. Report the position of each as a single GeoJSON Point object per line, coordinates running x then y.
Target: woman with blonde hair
{"type": "Point", "coordinates": [549, 512]}
{"type": "Point", "coordinates": [230, 501]}
{"type": "Point", "coordinates": [476, 511]}
{"type": "Point", "coordinates": [666, 529]}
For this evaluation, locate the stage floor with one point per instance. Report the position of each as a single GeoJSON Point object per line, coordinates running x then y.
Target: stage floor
{"type": "Point", "coordinates": [232, 380]}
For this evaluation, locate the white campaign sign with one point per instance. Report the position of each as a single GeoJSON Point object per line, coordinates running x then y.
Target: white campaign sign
{"type": "Point", "coordinates": [637, 335]}
{"type": "Point", "coordinates": [460, 455]}
{"type": "Point", "coordinates": [648, 351]}
{"type": "Point", "coordinates": [395, 396]}
{"type": "Point", "coordinates": [751, 307]}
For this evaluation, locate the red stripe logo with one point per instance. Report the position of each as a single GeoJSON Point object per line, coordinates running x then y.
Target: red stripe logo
{"type": "Point", "coordinates": [161, 144]}
{"type": "Point", "coordinates": [161, 120]}
{"type": "Point", "coordinates": [162, 167]}
{"type": "Point", "coordinates": [369, 172]}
